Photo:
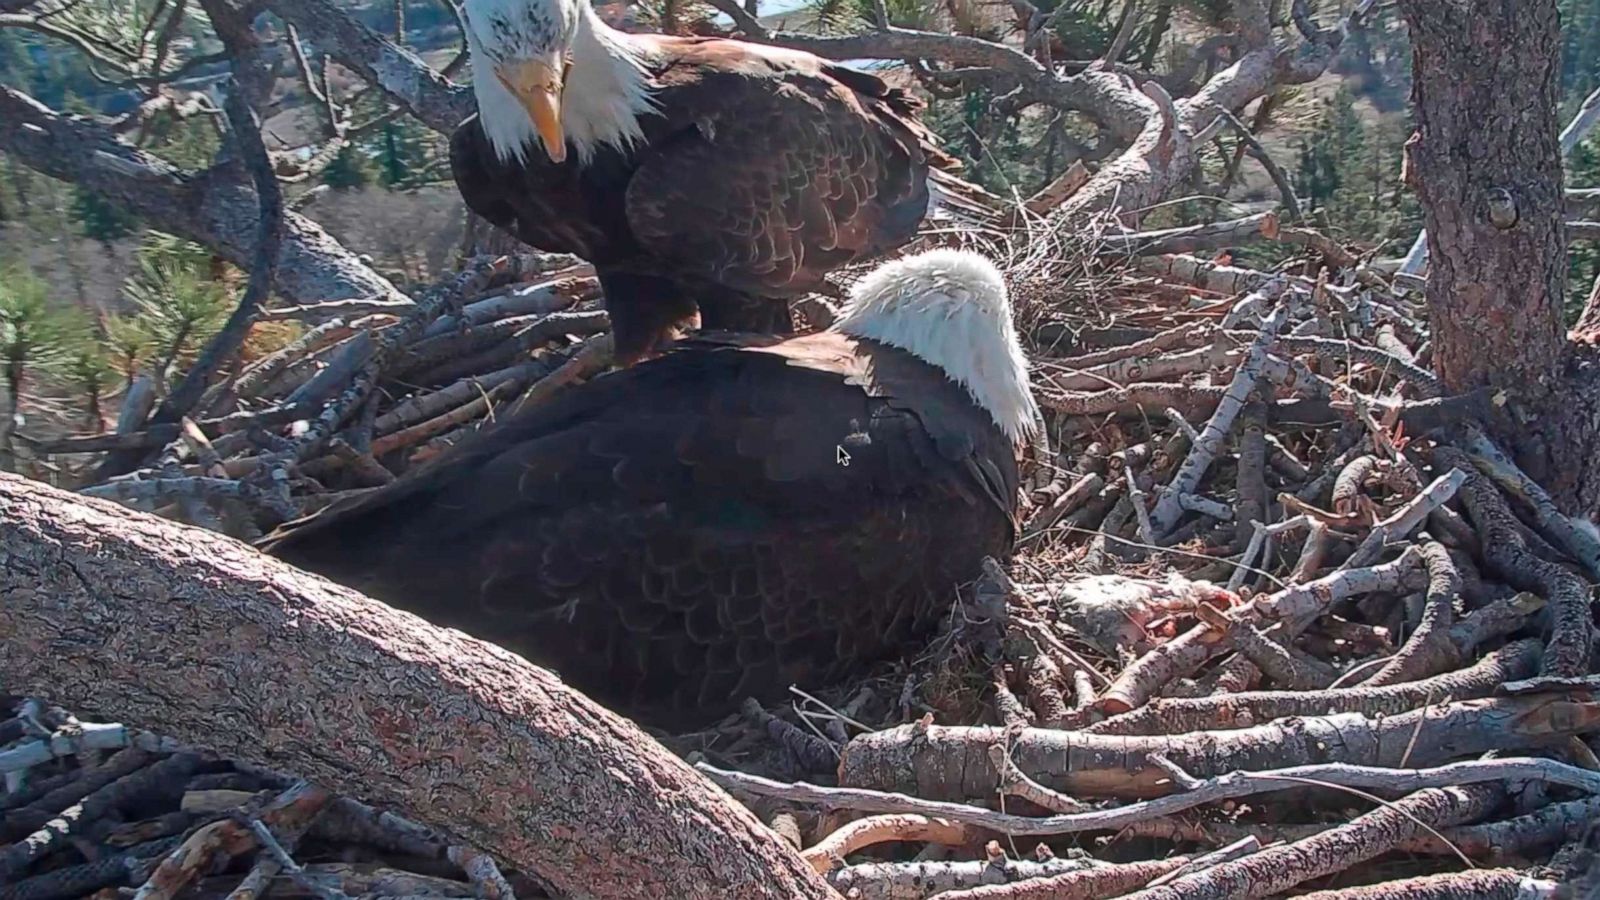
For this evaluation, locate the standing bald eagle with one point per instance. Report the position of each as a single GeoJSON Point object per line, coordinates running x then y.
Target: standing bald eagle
{"type": "Point", "coordinates": [740, 514]}
{"type": "Point", "coordinates": [697, 174]}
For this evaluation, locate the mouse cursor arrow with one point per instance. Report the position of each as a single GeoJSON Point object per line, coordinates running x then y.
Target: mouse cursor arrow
{"type": "Point", "coordinates": [841, 456]}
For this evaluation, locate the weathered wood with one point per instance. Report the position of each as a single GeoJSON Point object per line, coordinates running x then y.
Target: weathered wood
{"type": "Point", "coordinates": [264, 663]}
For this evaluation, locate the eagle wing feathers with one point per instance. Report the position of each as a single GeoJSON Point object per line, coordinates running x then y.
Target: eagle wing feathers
{"type": "Point", "coordinates": [769, 192]}
{"type": "Point", "coordinates": [679, 535]}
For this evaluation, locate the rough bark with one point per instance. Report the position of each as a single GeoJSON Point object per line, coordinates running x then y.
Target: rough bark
{"type": "Point", "coordinates": [264, 663]}
{"type": "Point", "coordinates": [1486, 163]}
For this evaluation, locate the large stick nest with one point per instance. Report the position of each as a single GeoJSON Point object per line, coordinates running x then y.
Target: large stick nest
{"type": "Point", "coordinates": [1257, 526]}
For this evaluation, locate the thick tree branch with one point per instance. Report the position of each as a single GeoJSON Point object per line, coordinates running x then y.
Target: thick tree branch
{"type": "Point", "coordinates": [401, 74]}
{"type": "Point", "coordinates": [211, 208]}
{"type": "Point", "coordinates": [264, 663]}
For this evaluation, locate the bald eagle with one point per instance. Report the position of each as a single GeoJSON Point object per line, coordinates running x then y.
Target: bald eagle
{"type": "Point", "coordinates": [739, 514]}
{"type": "Point", "coordinates": [697, 174]}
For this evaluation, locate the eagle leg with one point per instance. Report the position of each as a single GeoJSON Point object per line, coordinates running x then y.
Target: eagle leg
{"type": "Point", "coordinates": [646, 313]}
{"type": "Point", "coordinates": [723, 309]}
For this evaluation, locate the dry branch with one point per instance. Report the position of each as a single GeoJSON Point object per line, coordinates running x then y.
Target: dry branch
{"type": "Point", "coordinates": [501, 753]}
{"type": "Point", "coordinates": [1246, 709]}
{"type": "Point", "coordinates": [1086, 884]}
{"type": "Point", "coordinates": [1278, 869]}
{"type": "Point", "coordinates": [1194, 792]}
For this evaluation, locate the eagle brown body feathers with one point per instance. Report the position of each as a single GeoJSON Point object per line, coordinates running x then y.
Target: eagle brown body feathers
{"type": "Point", "coordinates": [760, 171]}
{"type": "Point", "coordinates": [677, 536]}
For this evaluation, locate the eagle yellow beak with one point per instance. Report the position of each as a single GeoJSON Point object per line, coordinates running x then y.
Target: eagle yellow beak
{"type": "Point", "coordinates": [537, 85]}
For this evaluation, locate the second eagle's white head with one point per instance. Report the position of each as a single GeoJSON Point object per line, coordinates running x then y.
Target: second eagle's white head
{"type": "Point", "coordinates": [950, 308]}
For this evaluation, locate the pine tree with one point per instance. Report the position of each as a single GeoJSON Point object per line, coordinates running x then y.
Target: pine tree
{"type": "Point", "coordinates": [349, 170]}
{"type": "Point", "coordinates": [402, 153]}
{"type": "Point", "coordinates": [99, 218]}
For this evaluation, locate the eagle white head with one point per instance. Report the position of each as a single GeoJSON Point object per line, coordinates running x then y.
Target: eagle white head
{"type": "Point", "coordinates": [950, 308]}
{"type": "Point", "coordinates": [550, 71]}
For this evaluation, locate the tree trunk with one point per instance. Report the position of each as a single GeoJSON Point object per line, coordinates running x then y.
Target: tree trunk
{"type": "Point", "coordinates": [203, 639]}
{"type": "Point", "coordinates": [1485, 162]}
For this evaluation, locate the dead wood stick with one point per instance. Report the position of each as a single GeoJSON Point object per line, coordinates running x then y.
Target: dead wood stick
{"type": "Point", "coordinates": [1204, 274]}
{"type": "Point", "coordinates": [249, 383]}
{"type": "Point", "coordinates": [422, 407]}
{"type": "Point", "coordinates": [1243, 710]}
{"type": "Point", "coordinates": [881, 830]}
{"type": "Point", "coordinates": [50, 834]}
{"type": "Point", "coordinates": [1055, 193]}
{"type": "Point", "coordinates": [527, 340]}
{"type": "Point", "coordinates": [467, 412]}
{"type": "Point", "coordinates": [1128, 369]}
{"type": "Point", "coordinates": [87, 736]}
{"type": "Point", "coordinates": [1251, 485]}
{"type": "Point", "coordinates": [1189, 238]}
{"type": "Point", "coordinates": [148, 493]}
{"type": "Point", "coordinates": [1016, 783]}
{"type": "Point", "coordinates": [1129, 400]}
{"type": "Point", "coordinates": [1313, 598]}
{"type": "Point", "coordinates": [1429, 646]}
{"type": "Point", "coordinates": [1228, 786]}
{"type": "Point", "coordinates": [267, 866]}
{"type": "Point", "coordinates": [1408, 518]}
{"type": "Point", "coordinates": [592, 358]}
{"type": "Point", "coordinates": [1344, 350]}
{"type": "Point", "coordinates": [1187, 652]}
{"type": "Point", "coordinates": [1085, 884]}
{"type": "Point", "coordinates": [562, 290]}
{"type": "Point", "coordinates": [1543, 829]}
{"type": "Point", "coordinates": [1492, 461]}
{"type": "Point", "coordinates": [1167, 510]}
{"type": "Point", "coordinates": [23, 817]}
{"type": "Point", "coordinates": [952, 762]}
{"type": "Point", "coordinates": [1572, 626]}
{"type": "Point", "coordinates": [225, 839]}
{"type": "Point", "coordinates": [917, 880]}
{"type": "Point", "coordinates": [1372, 834]}
{"type": "Point", "coordinates": [1234, 850]}
{"type": "Point", "coordinates": [487, 881]}
{"type": "Point", "coordinates": [519, 766]}
{"type": "Point", "coordinates": [275, 852]}
{"type": "Point", "coordinates": [81, 880]}
{"type": "Point", "coordinates": [1290, 668]}
{"type": "Point", "coordinates": [501, 343]}
{"type": "Point", "coordinates": [1478, 884]}
{"type": "Point", "coordinates": [1069, 502]}
{"type": "Point", "coordinates": [161, 435]}
{"type": "Point", "coordinates": [370, 358]}
{"type": "Point", "coordinates": [1188, 335]}
{"type": "Point", "coordinates": [1351, 482]}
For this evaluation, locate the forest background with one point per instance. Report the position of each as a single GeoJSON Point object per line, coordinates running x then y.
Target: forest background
{"type": "Point", "coordinates": [90, 297]}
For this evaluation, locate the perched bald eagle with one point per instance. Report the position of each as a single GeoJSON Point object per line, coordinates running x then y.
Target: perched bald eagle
{"type": "Point", "coordinates": [697, 174]}
{"type": "Point", "coordinates": [742, 513]}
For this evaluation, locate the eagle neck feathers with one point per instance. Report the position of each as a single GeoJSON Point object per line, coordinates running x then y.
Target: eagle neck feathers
{"type": "Point", "coordinates": [608, 89]}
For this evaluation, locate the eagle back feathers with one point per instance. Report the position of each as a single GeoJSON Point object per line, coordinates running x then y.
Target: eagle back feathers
{"type": "Point", "coordinates": [677, 535]}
